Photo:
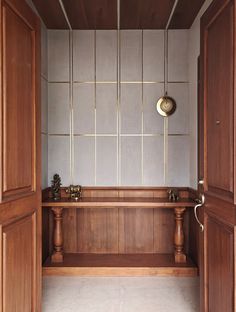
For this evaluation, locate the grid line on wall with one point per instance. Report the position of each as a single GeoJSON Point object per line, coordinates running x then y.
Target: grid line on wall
{"type": "Point", "coordinates": [115, 82]}
{"type": "Point", "coordinates": [119, 104]}
{"type": "Point", "coordinates": [142, 121]}
{"type": "Point", "coordinates": [95, 107]}
{"type": "Point", "coordinates": [117, 99]}
{"type": "Point", "coordinates": [166, 121]}
{"type": "Point", "coordinates": [71, 108]}
{"type": "Point", "coordinates": [117, 134]}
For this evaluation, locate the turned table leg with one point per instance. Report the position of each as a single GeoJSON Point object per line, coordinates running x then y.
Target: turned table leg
{"type": "Point", "coordinates": [57, 255]}
{"type": "Point", "coordinates": [180, 256]}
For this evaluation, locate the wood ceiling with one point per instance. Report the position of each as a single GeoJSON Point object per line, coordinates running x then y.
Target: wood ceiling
{"type": "Point", "coordinates": [102, 14]}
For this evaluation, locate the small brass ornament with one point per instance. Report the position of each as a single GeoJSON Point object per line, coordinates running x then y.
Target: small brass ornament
{"type": "Point", "coordinates": [166, 106]}
{"type": "Point", "coordinates": [74, 191]}
{"type": "Point", "coordinates": [173, 194]}
{"type": "Point", "coordinates": [56, 187]}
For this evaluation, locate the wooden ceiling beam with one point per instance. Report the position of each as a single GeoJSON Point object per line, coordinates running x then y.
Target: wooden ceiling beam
{"type": "Point", "coordinates": [185, 13]}
{"type": "Point", "coordinates": [145, 14]}
{"type": "Point", "coordinates": [92, 14]}
{"type": "Point", "coordinates": [102, 14]}
{"type": "Point", "coordinates": [51, 13]}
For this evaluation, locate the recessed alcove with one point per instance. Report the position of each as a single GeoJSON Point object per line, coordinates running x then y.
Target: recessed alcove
{"type": "Point", "coordinates": [117, 155]}
{"type": "Point", "coordinates": [100, 129]}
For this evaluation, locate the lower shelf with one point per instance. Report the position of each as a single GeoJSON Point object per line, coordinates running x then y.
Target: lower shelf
{"type": "Point", "coordinates": [120, 265]}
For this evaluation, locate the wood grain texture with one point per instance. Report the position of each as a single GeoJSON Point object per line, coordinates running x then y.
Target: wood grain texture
{"type": "Point", "coordinates": [18, 262]}
{"type": "Point", "coordinates": [57, 255]}
{"type": "Point", "coordinates": [118, 230]}
{"type": "Point", "coordinates": [136, 231]}
{"type": "Point", "coordinates": [51, 13]}
{"type": "Point", "coordinates": [69, 230]}
{"type": "Point", "coordinates": [185, 13]}
{"type": "Point", "coordinates": [97, 231]}
{"type": "Point", "coordinates": [139, 14]}
{"type": "Point", "coordinates": [163, 231]}
{"type": "Point", "coordinates": [194, 237]}
{"type": "Point", "coordinates": [220, 260]}
{"type": "Point", "coordinates": [18, 105]}
{"type": "Point", "coordinates": [20, 213]}
{"type": "Point", "coordinates": [124, 272]}
{"type": "Point", "coordinates": [180, 256]}
{"type": "Point", "coordinates": [200, 125]}
{"type": "Point", "coordinates": [102, 14]}
{"type": "Point", "coordinates": [217, 243]}
{"type": "Point", "coordinates": [109, 202]}
{"type": "Point", "coordinates": [120, 265]}
{"type": "Point", "coordinates": [121, 192]}
{"type": "Point", "coordinates": [99, 226]}
{"type": "Point", "coordinates": [92, 14]}
{"type": "Point", "coordinates": [219, 91]}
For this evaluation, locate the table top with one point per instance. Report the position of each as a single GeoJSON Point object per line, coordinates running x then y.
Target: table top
{"type": "Point", "coordinates": [116, 202]}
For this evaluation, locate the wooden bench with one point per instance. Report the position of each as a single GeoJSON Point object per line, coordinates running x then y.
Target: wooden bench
{"type": "Point", "coordinates": [178, 207]}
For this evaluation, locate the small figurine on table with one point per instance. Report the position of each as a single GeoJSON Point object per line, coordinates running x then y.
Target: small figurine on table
{"type": "Point", "coordinates": [74, 191]}
{"type": "Point", "coordinates": [173, 194]}
{"type": "Point", "coordinates": [56, 187]}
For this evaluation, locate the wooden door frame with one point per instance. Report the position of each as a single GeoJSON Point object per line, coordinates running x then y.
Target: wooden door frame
{"type": "Point", "coordinates": [19, 206]}
{"type": "Point", "coordinates": [228, 217]}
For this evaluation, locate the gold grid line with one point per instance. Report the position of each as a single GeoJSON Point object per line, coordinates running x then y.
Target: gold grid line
{"type": "Point", "coordinates": [95, 107]}
{"type": "Point", "coordinates": [142, 121]}
{"type": "Point", "coordinates": [72, 135]}
{"type": "Point", "coordinates": [71, 109]}
{"type": "Point", "coordinates": [115, 135]}
{"type": "Point", "coordinates": [118, 98]}
{"type": "Point", "coordinates": [166, 150]}
{"type": "Point", "coordinates": [119, 105]}
{"type": "Point", "coordinates": [166, 123]}
{"type": "Point", "coordinates": [123, 82]}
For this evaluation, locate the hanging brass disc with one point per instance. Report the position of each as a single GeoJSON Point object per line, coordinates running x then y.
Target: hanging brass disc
{"type": "Point", "coordinates": [166, 106]}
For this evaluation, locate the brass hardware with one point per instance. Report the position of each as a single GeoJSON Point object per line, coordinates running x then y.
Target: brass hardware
{"type": "Point", "coordinates": [56, 187]}
{"type": "Point", "coordinates": [200, 203]}
{"type": "Point", "coordinates": [217, 122]}
{"type": "Point", "coordinates": [173, 194]}
{"type": "Point", "coordinates": [166, 106]}
{"type": "Point", "coordinates": [74, 191]}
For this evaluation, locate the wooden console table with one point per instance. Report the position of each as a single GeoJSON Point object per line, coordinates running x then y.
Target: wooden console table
{"type": "Point", "coordinates": [179, 209]}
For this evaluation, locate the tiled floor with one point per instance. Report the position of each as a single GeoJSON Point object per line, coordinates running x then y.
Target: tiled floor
{"type": "Point", "coordinates": [120, 294]}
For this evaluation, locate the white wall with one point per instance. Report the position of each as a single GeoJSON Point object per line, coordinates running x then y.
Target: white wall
{"type": "Point", "coordinates": [108, 133]}
{"type": "Point", "coordinates": [119, 142]}
{"type": "Point", "coordinates": [194, 52]}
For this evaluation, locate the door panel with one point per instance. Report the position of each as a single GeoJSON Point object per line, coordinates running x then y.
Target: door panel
{"type": "Point", "coordinates": [18, 265]}
{"type": "Point", "coordinates": [217, 264]}
{"type": "Point", "coordinates": [20, 159]}
{"type": "Point", "coordinates": [18, 104]}
{"type": "Point", "coordinates": [218, 35]}
{"type": "Point", "coordinates": [219, 257]}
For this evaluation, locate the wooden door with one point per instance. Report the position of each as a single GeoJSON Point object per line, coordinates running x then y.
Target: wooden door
{"type": "Point", "coordinates": [20, 215]}
{"type": "Point", "coordinates": [217, 164]}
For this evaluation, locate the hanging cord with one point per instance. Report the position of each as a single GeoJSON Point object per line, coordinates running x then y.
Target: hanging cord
{"type": "Point", "coordinates": [166, 126]}
{"type": "Point", "coordinates": [167, 47]}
